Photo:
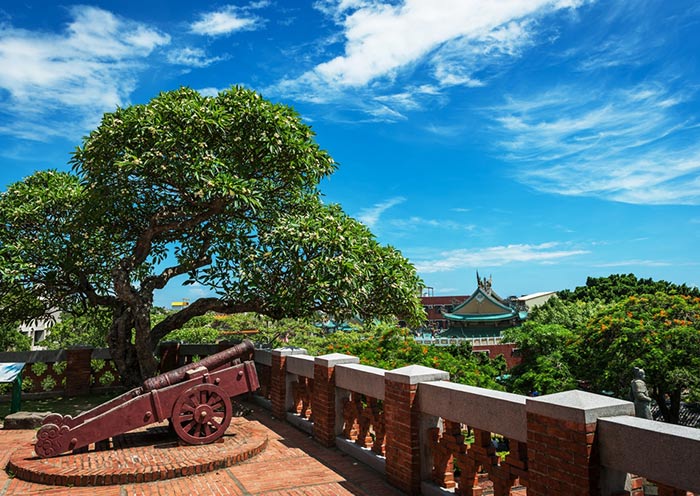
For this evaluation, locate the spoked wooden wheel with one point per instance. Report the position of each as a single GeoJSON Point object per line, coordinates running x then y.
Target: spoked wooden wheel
{"type": "Point", "coordinates": [202, 414]}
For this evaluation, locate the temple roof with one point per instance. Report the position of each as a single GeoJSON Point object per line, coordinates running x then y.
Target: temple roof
{"type": "Point", "coordinates": [484, 305]}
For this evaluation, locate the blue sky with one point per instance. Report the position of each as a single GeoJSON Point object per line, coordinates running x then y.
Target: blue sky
{"type": "Point", "coordinates": [538, 141]}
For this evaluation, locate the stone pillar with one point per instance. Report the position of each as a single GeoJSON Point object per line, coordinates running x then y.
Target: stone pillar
{"type": "Point", "coordinates": [280, 397]}
{"type": "Point", "coordinates": [327, 413]}
{"type": "Point", "coordinates": [561, 442]}
{"type": "Point", "coordinates": [78, 371]}
{"type": "Point", "coordinates": [403, 424]}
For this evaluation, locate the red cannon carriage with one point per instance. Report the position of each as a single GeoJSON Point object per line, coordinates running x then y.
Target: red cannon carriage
{"type": "Point", "coordinates": [196, 398]}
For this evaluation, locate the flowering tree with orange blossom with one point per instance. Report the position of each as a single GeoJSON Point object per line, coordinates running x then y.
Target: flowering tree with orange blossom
{"type": "Point", "coordinates": [659, 333]}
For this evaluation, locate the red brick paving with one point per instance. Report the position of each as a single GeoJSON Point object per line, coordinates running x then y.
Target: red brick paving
{"type": "Point", "coordinates": [146, 455]}
{"type": "Point", "coordinates": [291, 465]}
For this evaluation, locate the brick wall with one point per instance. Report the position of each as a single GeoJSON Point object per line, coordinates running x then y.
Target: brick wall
{"type": "Point", "coordinates": [506, 349]}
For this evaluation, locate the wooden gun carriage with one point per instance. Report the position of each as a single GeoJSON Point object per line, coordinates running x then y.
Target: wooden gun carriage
{"type": "Point", "coordinates": [196, 398]}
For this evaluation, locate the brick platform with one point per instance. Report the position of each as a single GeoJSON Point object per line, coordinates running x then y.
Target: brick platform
{"type": "Point", "coordinates": [146, 455]}
{"type": "Point", "coordinates": [292, 464]}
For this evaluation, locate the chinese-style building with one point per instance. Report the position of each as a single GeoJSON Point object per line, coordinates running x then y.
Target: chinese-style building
{"type": "Point", "coordinates": [436, 306]}
{"type": "Point", "coordinates": [483, 314]}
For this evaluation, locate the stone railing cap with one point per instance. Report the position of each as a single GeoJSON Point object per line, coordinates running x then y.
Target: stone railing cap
{"type": "Point", "coordinates": [307, 358]}
{"type": "Point", "coordinates": [333, 359]}
{"type": "Point", "coordinates": [291, 350]}
{"type": "Point", "coordinates": [365, 368]}
{"type": "Point", "coordinates": [578, 406]}
{"type": "Point", "coordinates": [657, 427]}
{"type": "Point", "coordinates": [662, 452]}
{"type": "Point", "coordinates": [413, 374]}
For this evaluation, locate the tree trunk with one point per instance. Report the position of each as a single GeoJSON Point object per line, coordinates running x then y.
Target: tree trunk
{"type": "Point", "coordinates": [122, 350]}
{"type": "Point", "coordinates": [142, 340]}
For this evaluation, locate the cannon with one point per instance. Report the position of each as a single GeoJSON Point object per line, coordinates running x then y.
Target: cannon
{"type": "Point", "coordinates": [195, 398]}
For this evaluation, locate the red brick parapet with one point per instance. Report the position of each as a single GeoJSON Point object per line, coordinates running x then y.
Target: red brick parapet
{"type": "Point", "coordinates": [403, 425]}
{"type": "Point", "coordinates": [574, 442]}
{"type": "Point", "coordinates": [562, 451]}
{"type": "Point", "coordinates": [327, 407]}
{"type": "Point", "coordinates": [78, 371]}
{"type": "Point", "coordinates": [280, 392]}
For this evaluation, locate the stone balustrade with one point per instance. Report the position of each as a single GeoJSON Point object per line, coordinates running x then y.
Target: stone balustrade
{"type": "Point", "coordinates": [411, 423]}
{"type": "Point", "coordinates": [665, 453]}
{"type": "Point", "coordinates": [415, 426]}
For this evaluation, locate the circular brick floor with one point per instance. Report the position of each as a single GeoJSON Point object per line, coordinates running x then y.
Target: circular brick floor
{"type": "Point", "coordinates": [146, 455]}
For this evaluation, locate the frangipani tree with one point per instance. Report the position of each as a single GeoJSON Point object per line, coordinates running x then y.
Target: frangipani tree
{"type": "Point", "coordinates": [221, 190]}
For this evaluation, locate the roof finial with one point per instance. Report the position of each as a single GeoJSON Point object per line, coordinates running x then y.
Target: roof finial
{"type": "Point", "coordinates": [484, 283]}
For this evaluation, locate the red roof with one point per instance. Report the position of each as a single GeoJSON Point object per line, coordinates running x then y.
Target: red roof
{"type": "Point", "coordinates": [442, 300]}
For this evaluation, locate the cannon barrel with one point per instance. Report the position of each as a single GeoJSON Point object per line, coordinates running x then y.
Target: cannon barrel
{"type": "Point", "coordinates": [211, 363]}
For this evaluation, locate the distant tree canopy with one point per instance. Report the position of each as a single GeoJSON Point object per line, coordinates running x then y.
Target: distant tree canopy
{"type": "Point", "coordinates": [568, 313]}
{"type": "Point", "coordinates": [548, 358]}
{"type": "Point", "coordinates": [221, 191]}
{"type": "Point", "coordinates": [80, 326]}
{"type": "Point", "coordinates": [11, 339]}
{"type": "Point", "coordinates": [598, 333]}
{"type": "Point", "coordinates": [388, 346]}
{"type": "Point", "coordinates": [616, 286]}
{"type": "Point", "coordinates": [659, 333]}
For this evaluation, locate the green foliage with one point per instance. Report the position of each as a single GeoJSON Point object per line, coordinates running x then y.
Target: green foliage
{"type": "Point", "coordinates": [272, 333]}
{"type": "Point", "coordinates": [547, 358]}
{"type": "Point", "coordinates": [194, 335]}
{"type": "Point", "coordinates": [318, 259]}
{"type": "Point", "coordinates": [13, 340]}
{"type": "Point", "coordinates": [39, 368]}
{"type": "Point", "coordinates": [211, 328]}
{"type": "Point", "coordinates": [27, 385]}
{"type": "Point", "coordinates": [387, 346]}
{"type": "Point", "coordinates": [80, 327]}
{"type": "Point", "coordinates": [48, 384]}
{"type": "Point", "coordinates": [659, 333]}
{"type": "Point", "coordinates": [617, 286]}
{"type": "Point", "coordinates": [597, 333]}
{"type": "Point", "coordinates": [572, 314]}
{"type": "Point", "coordinates": [221, 189]}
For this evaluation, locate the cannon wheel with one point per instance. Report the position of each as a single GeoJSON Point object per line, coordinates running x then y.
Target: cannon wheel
{"type": "Point", "coordinates": [202, 414]}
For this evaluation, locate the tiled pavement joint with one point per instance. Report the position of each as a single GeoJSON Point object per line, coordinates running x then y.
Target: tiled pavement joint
{"type": "Point", "coordinates": [244, 491]}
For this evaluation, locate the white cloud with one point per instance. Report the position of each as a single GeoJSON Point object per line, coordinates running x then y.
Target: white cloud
{"type": "Point", "coordinates": [495, 256]}
{"type": "Point", "coordinates": [632, 49]}
{"type": "Point", "coordinates": [225, 21]}
{"type": "Point", "coordinates": [633, 263]}
{"type": "Point", "coordinates": [452, 39]}
{"type": "Point", "coordinates": [632, 145]}
{"type": "Point", "coordinates": [210, 91]}
{"type": "Point", "coordinates": [421, 223]}
{"type": "Point", "coordinates": [192, 57]}
{"type": "Point", "coordinates": [370, 216]}
{"type": "Point", "coordinates": [76, 75]}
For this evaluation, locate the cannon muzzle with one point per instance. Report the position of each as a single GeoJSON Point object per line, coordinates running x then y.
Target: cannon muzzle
{"type": "Point", "coordinates": [211, 363]}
